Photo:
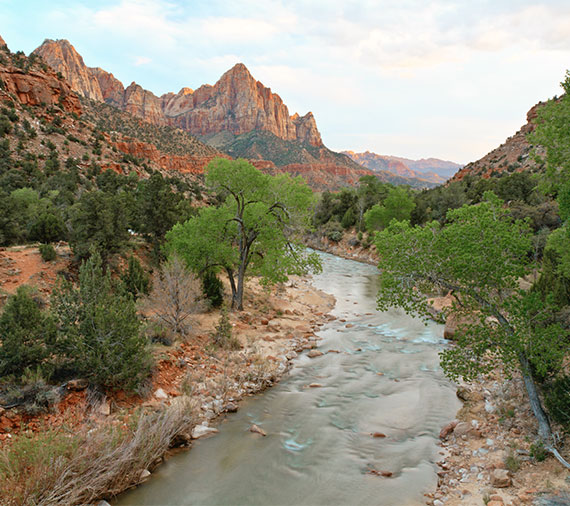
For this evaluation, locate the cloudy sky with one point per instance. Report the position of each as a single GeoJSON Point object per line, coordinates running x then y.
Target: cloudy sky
{"type": "Point", "coordinates": [415, 78]}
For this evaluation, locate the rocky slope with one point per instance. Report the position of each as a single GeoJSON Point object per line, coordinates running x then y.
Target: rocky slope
{"type": "Point", "coordinates": [514, 155]}
{"type": "Point", "coordinates": [49, 114]}
{"type": "Point", "coordinates": [426, 171]}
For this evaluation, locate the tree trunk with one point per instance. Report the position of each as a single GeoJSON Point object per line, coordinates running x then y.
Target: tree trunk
{"type": "Point", "coordinates": [544, 430]}
{"type": "Point", "coordinates": [232, 285]}
{"type": "Point", "coordinates": [241, 277]}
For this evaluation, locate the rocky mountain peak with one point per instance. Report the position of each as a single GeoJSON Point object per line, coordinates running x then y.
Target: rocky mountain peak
{"type": "Point", "coordinates": [2, 43]}
{"type": "Point", "coordinates": [62, 57]}
{"type": "Point", "coordinates": [237, 103]}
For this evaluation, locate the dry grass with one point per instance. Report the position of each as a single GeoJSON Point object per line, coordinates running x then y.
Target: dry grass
{"type": "Point", "coordinates": [59, 468]}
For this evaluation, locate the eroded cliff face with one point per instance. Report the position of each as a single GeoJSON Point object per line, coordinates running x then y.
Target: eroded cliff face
{"type": "Point", "coordinates": [61, 56]}
{"type": "Point", "coordinates": [237, 103]}
{"type": "Point", "coordinates": [34, 87]}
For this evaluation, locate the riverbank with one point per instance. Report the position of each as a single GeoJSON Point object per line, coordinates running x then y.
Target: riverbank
{"type": "Point", "coordinates": [349, 247]}
{"type": "Point", "coordinates": [193, 382]}
{"type": "Point", "coordinates": [489, 455]}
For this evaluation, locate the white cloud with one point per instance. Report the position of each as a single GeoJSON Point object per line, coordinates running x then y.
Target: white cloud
{"type": "Point", "coordinates": [142, 60]}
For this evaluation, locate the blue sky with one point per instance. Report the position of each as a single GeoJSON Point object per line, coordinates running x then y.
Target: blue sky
{"type": "Point", "coordinates": [450, 79]}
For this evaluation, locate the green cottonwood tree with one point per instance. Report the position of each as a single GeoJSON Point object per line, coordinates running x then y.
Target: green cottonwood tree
{"type": "Point", "coordinates": [255, 230]}
{"type": "Point", "coordinates": [398, 205]}
{"type": "Point", "coordinates": [479, 256]}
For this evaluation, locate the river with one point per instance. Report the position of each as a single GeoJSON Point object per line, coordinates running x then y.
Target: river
{"type": "Point", "coordinates": [319, 446]}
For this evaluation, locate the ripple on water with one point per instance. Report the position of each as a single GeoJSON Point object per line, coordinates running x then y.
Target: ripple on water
{"type": "Point", "coordinates": [295, 446]}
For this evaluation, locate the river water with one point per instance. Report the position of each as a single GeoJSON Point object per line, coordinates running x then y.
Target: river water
{"type": "Point", "coordinates": [319, 446]}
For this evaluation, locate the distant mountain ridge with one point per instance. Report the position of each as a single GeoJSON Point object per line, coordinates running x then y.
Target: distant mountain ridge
{"type": "Point", "coordinates": [431, 171]}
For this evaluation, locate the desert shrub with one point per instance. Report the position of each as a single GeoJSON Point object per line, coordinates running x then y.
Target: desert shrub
{"type": "Point", "coordinates": [32, 395]}
{"type": "Point", "coordinates": [348, 219]}
{"type": "Point", "coordinates": [333, 231]}
{"type": "Point", "coordinates": [47, 251]}
{"type": "Point", "coordinates": [99, 335]}
{"type": "Point", "coordinates": [47, 227]}
{"type": "Point", "coordinates": [222, 335]}
{"type": "Point", "coordinates": [538, 451]}
{"type": "Point", "coordinates": [55, 466]}
{"type": "Point", "coordinates": [157, 333]}
{"type": "Point", "coordinates": [213, 289]}
{"type": "Point", "coordinates": [134, 279]}
{"type": "Point", "coordinates": [175, 296]}
{"type": "Point", "coordinates": [26, 332]}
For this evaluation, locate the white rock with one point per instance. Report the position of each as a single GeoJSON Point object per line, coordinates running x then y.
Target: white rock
{"type": "Point", "coordinates": [102, 503]}
{"type": "Point", "coordinates": [160, 394]}
{"type": "Point", "coordinates": [145, 475]}
{"type": "Point", "coordinates": [437, 502]}
{"type": "Point", "coordinates": [203, 431]}
{"type": "Point", "coordinates": [105, 408]}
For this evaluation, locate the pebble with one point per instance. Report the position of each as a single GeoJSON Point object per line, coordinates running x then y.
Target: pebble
{"type": "Point", "coordinates": [160, 394]}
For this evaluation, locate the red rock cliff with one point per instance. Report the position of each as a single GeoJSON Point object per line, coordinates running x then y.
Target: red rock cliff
{"type": "Point", "coordinates": [236, 103]}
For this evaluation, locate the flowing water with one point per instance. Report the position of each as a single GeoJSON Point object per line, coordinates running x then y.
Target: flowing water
{"type": "Point", "coordinates": [319, 446]}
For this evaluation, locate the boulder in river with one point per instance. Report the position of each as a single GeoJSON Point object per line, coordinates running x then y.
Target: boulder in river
{"type": "Point", "coordinates": [257, 430]}
{"type": "Point", "coordinates": [314, 353]}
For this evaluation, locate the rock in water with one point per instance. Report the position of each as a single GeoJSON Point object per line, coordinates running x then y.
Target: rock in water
{"type": "Point", "coordinates": [314, 353]}
{"type": "Point", "coordinates": [203, 431]}
{"type": "Point", "coordinates": [257, 429]}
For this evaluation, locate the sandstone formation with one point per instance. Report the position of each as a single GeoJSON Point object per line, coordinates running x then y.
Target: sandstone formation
{"type": "Point", "coordinates": [62, 57]}
{"type": "Point", "coordinates": [185, 164]}
{"type": "Point", "coordinates": [237, 103]}
{"type": "Point", "coordinates": [38, 88]}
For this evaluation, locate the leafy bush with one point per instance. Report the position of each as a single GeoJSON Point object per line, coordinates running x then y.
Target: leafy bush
{"type": "Point", "coordinates": [557, 400]}
{"type": "Point", "coordinates": [333, 231]}
{"type": "Point", "coordinates": [222, 334]}
{"type": "Point", "coordinates": [48, 227]}
{"type": "Point", "coordinates": [213, 289]}
{"type": "Point", "coordinates": [26, 332]}
{"type": "Point", "coordinates": [135, 280]}
{"type": "Point", "coordinates": [47, 251]}
{"type": "Point", "coordinates": [99, 334]}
